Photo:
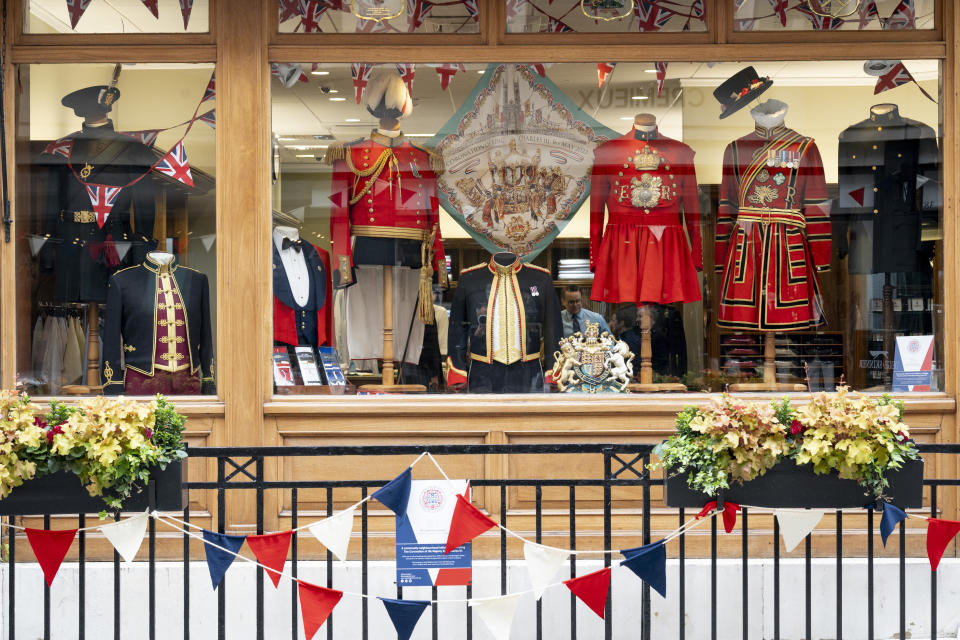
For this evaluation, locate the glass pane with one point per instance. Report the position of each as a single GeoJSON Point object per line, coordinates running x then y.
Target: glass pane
{"type": "Point", "coordinates": [116, 16]}
{"type": "Point", "coordinates": [379, 16]}
{"type": "Point", "coordinates": [116, 229]}
{"type": "Point", "coordinates": [831, 15]}
{"type": "Point", "coordinates": [760, 241]}
{"type": "Point", "coordinates": [605, 16]}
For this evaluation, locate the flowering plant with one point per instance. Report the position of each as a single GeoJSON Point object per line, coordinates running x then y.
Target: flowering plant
{"type": "Point", "coordinates": [860, 437]}
{"type": "Point", "coordinates": [111, 444]}
{"type": "Point", "coordinates": [728, 441]}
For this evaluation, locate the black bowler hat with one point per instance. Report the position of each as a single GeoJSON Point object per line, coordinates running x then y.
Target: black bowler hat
{"type": "Point", "coordinates": [91, 100]}
{"type": "Point", "coordinates": [739, 90]}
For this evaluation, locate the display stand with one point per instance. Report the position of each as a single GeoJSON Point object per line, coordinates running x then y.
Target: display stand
{"type": "Point", "coordinates": [646, 384]}
{"type": "Point", "coordinates": [769, 372]}
{"type": "Point", "coordinates": [93, 355]}
{"type": "Point", "coordinates": [387, 370]}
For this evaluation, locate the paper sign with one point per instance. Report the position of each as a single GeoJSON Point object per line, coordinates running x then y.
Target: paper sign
{"type": "Point", "coordinates": [913, 363]}
{"type": "Point", "coordinates": [422, 536]}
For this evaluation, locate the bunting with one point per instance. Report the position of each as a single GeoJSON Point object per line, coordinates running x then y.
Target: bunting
{"type": "Point", "coordinates": [592, 589]}
{"type": "Point", "coordinates": [417, 13]}
{"type": "Point", "coordinates": [360, 73]}
{"type": "Point", "coordinates": [151, 6]}
{"type": "Point", "coordinates": [497, 614]}
{"type": "Point", "coordinates": [334, 532]}
{"type": "Point", "coordinates": [468, 522]}
{"type": "Point", "coordinates": [289, 9]}
{"type": "Point", "coordinates": [62, 147]}
{"type": "Point", "coordinates": [102, 199]}
{"type": "Point", "coordinates": [473, 9]}
{"type": "Point", "coordinates": [271, 551]}
{"type": "Point", "coordinates": [146, 137]}
{"type": "Point", "coordinates": [730, 510]}
{"type": "Point", "coordinates": [661, 68]}
{"type": "Point", "coordinates": [316, 605]}
{"type": "Point", "coordinates": [557, 26]}
{"type": "Point", "coordinates": [820, 22]}
{"type": "Point", "coordinates": [126, 536]}
{"type": "Point", "coordinates": [892, 516]}
{"type": "Point", "coordinates": [904, 16]}
{"type": "Point", "coordinates": [780, 9]}
{"type": "Point", "coordinates": [867, 13]}
{"type": "Point", "coordinates": [650, 15]}
{"type": "Point", "coordinates": [543, 563]}
{"type": "Point", "coordinates": [175, 165]}
{"type": "Point", "coordinates": [939, 534]}
{"type": "Point", "coordinates": [407, 72]}
{"type": "Point", "coordinates": [604, 70]}
{"type": "Point", "coordinates": [649, 563]}
{"type": "Point", "coordinates": [446, 73]}
{"type": "Point", "coordinates": [51, 548]}
{"type": "Point", "coordinates": [395, 494]}
{"type": "Point", "coordinates": [76, 8]}
{"type": "Point", "coordinates": [288, 73]}
{"type": "Point", "coordinates": [221, 549]}
{"type": "Point", "coordinates": [209, 118]}
{"type": "Point", "coordinates": [186, 7]}
{"type": "Point", "coordinates": [895, 77]}
{"type": "Point", "coordinates": [310, 13]}
{"type": "Point", "coordinates": [210, 93]}
{"type": "Point", "coordinates": [796, 524]}
{"type": "Point", "coordinates": [404, 614]}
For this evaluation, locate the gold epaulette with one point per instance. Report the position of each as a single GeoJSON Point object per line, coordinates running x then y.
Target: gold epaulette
{"type": "Point", "coordinates": [533, 266]}
{"type": "Point", "coordinates": [338, 151]}
{"type": "Point", "coordinates": [473, 268]}
{"type": "Point", "coordinates": [436, 160]}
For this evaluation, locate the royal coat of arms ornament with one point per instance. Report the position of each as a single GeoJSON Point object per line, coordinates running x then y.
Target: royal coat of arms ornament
{"type": "Point", "coordinates": [518, 157]}
{"type": "Point", "coordinates": [592, 362]}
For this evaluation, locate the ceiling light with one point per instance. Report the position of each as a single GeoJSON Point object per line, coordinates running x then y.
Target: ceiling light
{"type": "Point", "coordinates": [482, 71]}
{"type": "Point", "coordinates": [333, 91]}
{"type": "Point", "coordinates": [627, 118]}
{"type": "Point", "coordinates": [352, 120]}
{"type": "Point", "coordinates": [286, 139]}
{"type": "Point", "coordinates": [338, 99]}
{"type": "Point", "coordinates": [649, 70]}
{"type": "Point", "coordinates": [306, 155]}
{"type": "Point", "coordinates": [640, 98]}
{"type": "Point", "coordinates": [319, 73]}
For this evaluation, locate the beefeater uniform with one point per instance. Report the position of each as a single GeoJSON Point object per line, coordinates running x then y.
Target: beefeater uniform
{"type": "Point", "coordinates": [502, 318]}
{"type": "Point", "coordinates": [647, 184]}
{"type": "Point", "coordinates": [773, 232]}
{"type": "Point", "coordinates": [158, 318]}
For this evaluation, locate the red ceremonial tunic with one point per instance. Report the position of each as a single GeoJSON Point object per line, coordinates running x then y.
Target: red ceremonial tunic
{"type": "Point", "coordinates": [383, 187]}
{"type": "Point", "coordinates": [773, 232]}
{"type": "Point", "coordinates": [645, 182]}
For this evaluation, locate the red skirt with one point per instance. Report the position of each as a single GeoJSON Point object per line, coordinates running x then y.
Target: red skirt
{"type": "Point", "coordinates": [634, 266]}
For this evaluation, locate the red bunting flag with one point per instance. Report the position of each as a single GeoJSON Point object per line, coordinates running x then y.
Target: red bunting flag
{"type": "Point", "coordinates": [360, 73]}
{"type": "Point", "coordinates": [289, 9]}
{"type": "Point", "coordinates": [939, 534]}
{"type": "Point", "coordinates": [730, 510]}
{"type": "Point", "coordinates": [592, 589]}
{"type": "Point", "coordinates": [661, 76]}
{"type": "Point", "coordinates": [62, 147]}
{"type": "Point", "coordinates": [316, 605]}
{"type": "Point", "coordinates": [151, 5]}
{"type": "Point", "coordinates": [50, 547]}
{"type": "Point", "coordinates": [76, 8]}
{"type": "Point", "coordinates": [604, 69]}
{"type": "Point", "coordinates": [446, 73]}
{"type": "Point", "coordinates": [780, 9]}
{"type": "Point", "coordinates": [271, 551]}
{"type": "Point", "coordinates": [102, 199]}
{"type": "Point", "coordinates": [186, 7]}
{"type": "Point", "coordinates": [468, 522]}
{"type": "Point", "coordinates": [407, 72]}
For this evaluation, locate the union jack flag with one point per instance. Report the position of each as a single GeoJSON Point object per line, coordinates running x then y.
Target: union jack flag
{"type": "Point", "coordinates": [360, 73]}
{"type": "Point", "coordinates": [289, 9]}
{"type": "Point", "coordinates": [604, 69]}
{"type": "Point", "coordinates": [867, 12]}
{"type": "Point", "coordinates": [62, 147]}
{"type": "Point", "coordinates": [541, 69]}
{"type": "Point", "coordinates": [102, 199]}
{"type": "Point", "coordinates": [897, 76]}
{"type": "Point", "coordinates": [289, 73]}
{"type": "Point", "coordinates": [211, 91]}
{"type": "Point", "coordinates": [556, 26]}
{"type": "Point", "coordinates": [650, 15]}
{"type": "Point", "coordinates": [418, 13]}
{"type": "Point", "coordinates": [473, 9]}
{"type": "Point", "coordinates": [147, 136]}
{"type": "Point", "coordinates": [446, 72]}
{"type": "Point", "coordinates": [903, 17]}
{"type": "Point", "coordinates": [175, 165]}
{"type": "Point", "coordinates": [186, 6]}
{"type": "Point", "coordinates": [310, 13]}
{"type": "Point", "coordinates": [661, 76]}
{"type": "Point", "coordinates": [513, 8]}
{"type": "Point", "coordinates": [780, 9]}
{"type": "Point", "coordinates": [152, 6]}
{"type": "Point", "coordinates": [696, 11]}
{"type": "Point", "coordinates": [210, 118]}
{"type": "Point", "coordinates": [76, 8]}
{"type": "Point", "coordinates": [821, 23]}
{"type": "Point", "coordinates": [407, 71]}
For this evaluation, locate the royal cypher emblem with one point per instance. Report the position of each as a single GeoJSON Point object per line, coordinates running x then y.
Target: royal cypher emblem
{"type": "Point", "coordinates": [645, 192]}
{"type": "Point", "coordinates": [592, 363]}
{"type": "Point", "coordinates": [763, 195]}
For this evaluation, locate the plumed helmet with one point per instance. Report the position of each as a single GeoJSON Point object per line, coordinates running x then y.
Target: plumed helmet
{"type": "Point", "coordinates": [387, 95]}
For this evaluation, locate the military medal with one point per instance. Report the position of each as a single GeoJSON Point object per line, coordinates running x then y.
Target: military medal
{"type": "Point", "coordinates": [763, 176]}
{"type": "Point", "coordinates": [85, 172]}
{"type": "Point", "coordinates": [779, 178]}
{"type": "Point", "coordinates": [783, 159]}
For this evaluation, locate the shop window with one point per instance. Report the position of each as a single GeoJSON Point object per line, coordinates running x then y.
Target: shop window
{"type": "Point", "coordinates": [605, 16]}
{"type": "Point", "coordinates": [116, 229]}
{"type": "Point", "coordinates": [834, 15]}
{"type": "Point", "coordinates": [768, 226]}
{"type": "Point", "coordinates": [379, 16]}
{"type": "Point", "coordinates": [107, 16]}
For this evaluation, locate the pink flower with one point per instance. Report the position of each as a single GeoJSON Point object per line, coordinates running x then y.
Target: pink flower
{"type": "Point", "coordinates": [38, 422]}
{"type": "Point", "coordinates": [148, 432]}
{"type": "Point", "coordinates": [52, 431]}
{"type": "Point", "coordinates": [796, 428]}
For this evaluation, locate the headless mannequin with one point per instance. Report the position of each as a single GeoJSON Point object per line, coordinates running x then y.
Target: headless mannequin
{"type": "Point", "coordinates": [644, 123]}
{"type": "Point", "coordinates": [883, 109]}
{"type": "Point", "coordinates": [161, 257]}
{"type": "Point", "coordinates": [889, 343]}
{"type": "Point", "coordinates": [295, 266]}
{"type": "Point", "coordinates": [770, 113]}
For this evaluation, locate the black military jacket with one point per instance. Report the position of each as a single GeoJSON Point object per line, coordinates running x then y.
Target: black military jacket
{"type": "Point", "coordinates": [889, 186]}
{"type": "Point", "coordinates": [75, 248]}
{"type": "Point", "coordinates": [130, 322]}
{"type": "Point", "coordinates": [503, 313]}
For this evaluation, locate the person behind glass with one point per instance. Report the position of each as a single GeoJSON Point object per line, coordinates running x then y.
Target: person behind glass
{"type": "Point", "coordinates": [574, 316]}
{"type": "Point", "coordinates": [623, 326]}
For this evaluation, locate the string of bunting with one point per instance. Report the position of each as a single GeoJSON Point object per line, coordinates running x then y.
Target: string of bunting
{"type": "Point", "coordinates": [904, 15]}
{"type": "Point", "coordinates": [270, 551]}
{"type": "Point", "coordinates": [76, 9]}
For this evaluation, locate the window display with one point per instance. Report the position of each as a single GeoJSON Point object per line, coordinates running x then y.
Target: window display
{"type": "Point", "coordinates": [754, 246]}
{"type": "Point", "coordinates": [832, 15]}
{"type": "Point", "coordinates": [109, 16]}
{"type": "Point", "coordinates": [117, 211]}
{"type": "Point", "coordinates": [605, 16]}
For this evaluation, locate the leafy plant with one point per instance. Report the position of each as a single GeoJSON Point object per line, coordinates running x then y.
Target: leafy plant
{"type": "Point", "coordinates": [19, 434]}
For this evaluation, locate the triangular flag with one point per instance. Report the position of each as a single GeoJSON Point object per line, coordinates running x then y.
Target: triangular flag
{"type": "Point", "coordinates": [892, 516]}
{"type": "Point", "coordinates": [939, 535]}
{"type": "Point", "coordinates": [661, 68]}
{"type": "Point", "coordinates": [210, 93]}
{"type": "Point", "coordinates": [126, 536]}
{"type": "Point", "coordinates": [102, 199]}
{"type": "Point", "coordinates": [922, 180]}
{"type": "Point", "coordinates": [122, 247]}
{"type": "Point", "coordinates": [316, 605]}
{"type": "Point", "coordinates": [175, 165]}
{"type": "Point", "coordinates": [858, 194]}
{"type": "Point", "coordinates": [497, 614]}
{"type": "Point", "coordinates": [407, 74]}
{"type": "Point", "coordinates": [51, 548]}
{"type": "Point", "coordinates": [207, 240]}
{"type": "Point", "coordinates": [467, 523]}
{"type": "Point", "coordinates": [151, 5]}
{"type": "Point", "coordinates": [146, 136]}
{"type": "Point", "coordinates": [592, 589]}
{"type": "Point", "coordinates": [542, 563]}
{"type": "Point", "coordinates": [76, 8]}
{"type": "Point", "coordinates": [604, 69]}
{"type": "Point", "coordinates": [36, 243]}
{"type": "Point", "coordinates": [404, 614]}
{"type": "Point", "coordinates": [796, 524]}
{"type": "Point", "coordinates": [209, 118]}
{"type": "Point", "coordinates": [186, 6]}
{"type": "Point", "coordinates": [271, 551]}
{"type": "Point", "coordinates": [649, 562]}
{"type": "Point", "coordinates": [395, 494]}
{"type": "Point", "coordinates": [334, 532]}
{"type": "Point", "coordinates": [219, 560]}
{"type": "Point", "coordinates": [730, 510]}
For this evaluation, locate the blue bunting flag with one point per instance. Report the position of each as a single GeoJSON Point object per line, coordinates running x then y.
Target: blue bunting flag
{"type": "Point", "coordinates": [395, 494]}
{"type": "Point", "coordinates": [892, 516]}
{"type": "Point", "coordinates": [405, 614]}
{"type": "Point", "coordinates": [649, 562]}
{"type": "Point", "coordinates": [218, 560]}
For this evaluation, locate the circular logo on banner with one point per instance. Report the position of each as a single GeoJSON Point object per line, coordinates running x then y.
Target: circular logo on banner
{"type": "Point", "coordinates": [431, 500]}
{"type": "Point", "coordinates": [914, 346]}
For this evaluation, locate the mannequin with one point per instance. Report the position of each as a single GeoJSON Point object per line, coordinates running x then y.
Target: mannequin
{"type": "Point", "coordinates": [302, 292]}
{"type": "Point", "coordinates": [385, 230]}
{"type": "Point", "coordinates": [773, 211]}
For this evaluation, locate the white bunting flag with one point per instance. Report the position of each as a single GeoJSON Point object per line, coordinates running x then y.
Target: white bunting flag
{"type": "Point", "coordinates": [497, 614]}
{"type": "Point", "coordinates": [543, 564]}
{"type": "Point", "coordinates": [334, 532]}
{"type": "Point", "coordinates": [122, 246]}
{"type": "Point", "coordinates": [207, 240]}
{"type": "Point", "coordinates": [36, 243]}
{"type": "Point", "coordinates": [126, 536]}
{"type": "Point", "coordinates": [796, 524]}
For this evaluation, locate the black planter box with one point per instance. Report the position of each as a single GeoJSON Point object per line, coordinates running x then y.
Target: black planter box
{"type": "Point", "coordinates": [787, 485]}
{"type": "Point", "coordinates": [61, 492]}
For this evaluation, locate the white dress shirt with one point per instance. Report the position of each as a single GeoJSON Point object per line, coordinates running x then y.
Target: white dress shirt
{"type": "Point", "coordinates": [296, 267]}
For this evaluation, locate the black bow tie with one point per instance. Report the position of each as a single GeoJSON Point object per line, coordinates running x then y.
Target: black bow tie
{"type": "Point", "coordinates": [296, 244]}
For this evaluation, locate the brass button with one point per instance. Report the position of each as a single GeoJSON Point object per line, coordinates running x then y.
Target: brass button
{"type": "Point", "coordinates": [621, 173]}
{"type": "Point", "coordinates": [854, 156]}
{"type": "Point", "coordinates": [874, 168]}
{"type": "Point", "coordinates": [371, 219]}
{"type": "Point", "coordinates": [370, 200]}
{"type": "Point", "coordinates": [875, 189]}
{"type": "Point", "coordinates": [874, 147]}
{"type": "Point", "coordinates": [370, 209]}
{"type": "Point", "coordinates": [899, 155]}
{"type": "Point", "coordinates": [876, 211]}
{"type": "Point", "coordinates": [418, 222]}
{"type": "Point", "coordinates": [366, 164]}
{"type": "Point", "coordinates": [626, 166]}
{"type": "Point", "coordinates": [879, 128]}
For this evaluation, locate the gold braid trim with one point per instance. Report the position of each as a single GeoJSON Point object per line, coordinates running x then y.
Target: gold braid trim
{"type": "Point", "coordinates": [425, 299]}
{"type": "Point", "coordinates": [372, 173]}
{"type": "Point", "coordinates": [336, 151]}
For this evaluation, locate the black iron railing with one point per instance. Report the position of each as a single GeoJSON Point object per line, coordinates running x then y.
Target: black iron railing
{"type": "Point", "coordinates": [620, 466]}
